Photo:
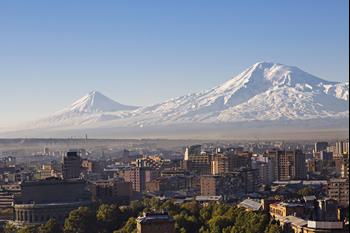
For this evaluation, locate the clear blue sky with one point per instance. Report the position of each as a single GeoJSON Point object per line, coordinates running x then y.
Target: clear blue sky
{"type": "Point", "coordinates": [144, 52]}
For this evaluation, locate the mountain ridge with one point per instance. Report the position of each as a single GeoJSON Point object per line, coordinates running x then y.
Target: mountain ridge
{"type": "Point", "coordinates": [265, 91]}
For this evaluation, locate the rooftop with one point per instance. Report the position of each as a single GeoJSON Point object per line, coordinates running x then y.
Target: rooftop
{"type": "Point", "coordinates": [154, 217]}
{"type": "Point", "coordinates": [287, 204]}
{"type": "Point", "coordinates": [250, 204]}
{"type": "Point", "coordinates": [294, 221]}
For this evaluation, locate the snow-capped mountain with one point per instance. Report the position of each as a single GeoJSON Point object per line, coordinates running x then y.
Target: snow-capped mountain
{"type": "Point", "coordinates": [89, 109]}
{"type": "Point", "coordinates": [95, 102]}
{"type": "Point", "coordinates": [265, 92]}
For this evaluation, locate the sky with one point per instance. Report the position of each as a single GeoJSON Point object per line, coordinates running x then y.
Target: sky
{"type": "Point", "coordinates": [144, 52]}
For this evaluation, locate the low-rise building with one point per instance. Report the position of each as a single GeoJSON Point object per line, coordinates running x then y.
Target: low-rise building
{"type": "Point", "coordinates": [251, 204]}
{"type": "Point", "coordinates": [292, 224]}
{"type": "Point", "coordinates": [155, 223]}
{"type": "Point", "coordinates": [43, 199]}
{"type": "Point", "coordinates": [283, 209]}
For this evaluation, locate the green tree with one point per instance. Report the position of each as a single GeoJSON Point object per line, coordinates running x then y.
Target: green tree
{"type": "Point", "coordinates": [136, 207]}
{"type": "Point", "coordinates": [218, 223]}
{"type": "Point", "coordinates": [9, 228]}
{"type": "Point", "coordinates": [250, 222]}
{"type": "Point", "coordinates": [129, 227]}
{"type": "Point", "coordinates": [306, 191]}
{"type": "Point", "coordinates": [191, 208]}
{"type": "Point", "coordinates": [81, 220]}
{"type": "Point", "coordinates": [273, 228]}
{"type": "Point", "coordinates": [28, 229]}
{"type": "Point", "coordinates": [170, 207]}
{"type": "Point", "coordinates": [189, 223]}
{"type": "Point", "coordinates": [108, 217]}
{"type": "Point", "coordinates": [50, 226]}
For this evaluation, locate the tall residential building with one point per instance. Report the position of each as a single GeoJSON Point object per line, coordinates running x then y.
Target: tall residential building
{"type": "Point", "coordinates": [288, 165]}
{"type": "Point", "coordinates": [46, 171]}
{"type": "Point", "coordinates": [311, 165]}
{"type": "Point", "coordinates": [139, 176]}
{"type": "Point", "coordinates": [169, 183]}
{"type": "Point", "coordinates": [219, 164]}
{"type": "Point", "coordinates": [192, 151]}
{"type": "Point", "coordinates": [71, 165]}
{"type": "Point", "coordinates": [342, 148]}
{"type": "Point", "coordinates": [265, 165]}
{"type": "Point", "coordinates": [346, 147]}
{"type": "Point", "coordinates": [320, 146]}
{"type": "Point", "coordinates": [324, 155]}
{"type": "Point", "coordinates": [111, 191]}
{"type": "Point", "coordinates": [345, 168]}
{"type": "Point", "coordinates": [197, 161]}
{"type": "Point", "coordinates": [264, 173]}
{"type": "Point", "coordinates": [238, 160]}
{"type": "Point", "coordinates": [338, 189]}
{"type": "Point", "coordinates": [230, 184]}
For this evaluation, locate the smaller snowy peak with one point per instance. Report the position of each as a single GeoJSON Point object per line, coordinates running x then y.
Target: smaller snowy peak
{"type": "Point", "coordinates": [95, 102]}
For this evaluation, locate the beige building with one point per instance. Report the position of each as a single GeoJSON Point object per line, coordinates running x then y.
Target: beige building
{"type": "Point", "coordinates": [283, 209]}
{"type": "Point", "coordinates": [292, 224]}
{"type": "Point", "coordinates": [139, 176]}
{"type": "Point", "coordinates": [219, 164]}
{"type": "Point", "coordinates": [288, 165]}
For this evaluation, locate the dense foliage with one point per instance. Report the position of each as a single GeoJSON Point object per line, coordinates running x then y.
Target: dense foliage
{"type": "Point", "coordinates": [190, 217]}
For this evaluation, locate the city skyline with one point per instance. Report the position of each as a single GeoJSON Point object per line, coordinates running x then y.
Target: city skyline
{"type": "Point", "coordinates": [141, 55]}
{"type": "Point", "coordinates": [174, 116]}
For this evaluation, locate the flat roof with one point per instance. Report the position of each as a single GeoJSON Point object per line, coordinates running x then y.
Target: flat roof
{"type": "Point", "coordinates": [155, 218]}
{"type": "Point", "coordinates": [250, 204]}
{"type": "Point", "coordinates": [294, 220]}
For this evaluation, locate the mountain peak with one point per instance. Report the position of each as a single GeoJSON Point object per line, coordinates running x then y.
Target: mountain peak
{"type": "Point", "coordinates": [264, 64]}
{"type": "Point", "coordinates": [94, 92]}
{"type": "Point", "coordinates": [95, 101]}
{"type": "Point", "coordinates": [276, 74]}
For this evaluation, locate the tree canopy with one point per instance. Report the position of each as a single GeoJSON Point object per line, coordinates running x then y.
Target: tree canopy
{"type": "Point", "coordinates": [189, 217]}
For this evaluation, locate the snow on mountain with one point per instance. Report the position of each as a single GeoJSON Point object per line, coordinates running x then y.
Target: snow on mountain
{"type": "Point", "coordinates": [95, 102]}
{"type": "Point", "coordinates": [263, 92]}
{"type": "Point", "coordinates": [339, 90]}
{"type": "Point", "coordinates": [91, 108]}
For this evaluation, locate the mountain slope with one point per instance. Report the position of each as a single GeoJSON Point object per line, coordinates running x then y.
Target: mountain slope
{"type": "Point", "coordinates": [266, 92]}
{"type": "Point", "coordinates": [94, 102]}
{"type": "Point", "coordinates": [91, 108]}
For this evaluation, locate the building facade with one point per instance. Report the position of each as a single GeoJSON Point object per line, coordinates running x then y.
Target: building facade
{"type": "Point", "coordinates": [338, 189]}
{"type": "Point", "coordinates": [71, 165]}
{"type": "Point", "coordinates": [43, 199]}
{"type": "Point", "coordinates": [155, 223]}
